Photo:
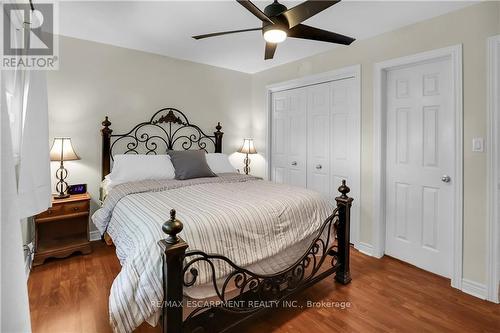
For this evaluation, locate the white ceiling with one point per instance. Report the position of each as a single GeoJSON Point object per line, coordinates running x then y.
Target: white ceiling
{"type": "Point", "coordinates": [166, 27]}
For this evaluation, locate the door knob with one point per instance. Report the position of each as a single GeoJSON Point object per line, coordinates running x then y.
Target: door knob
{"type": "Point", "coordinates": [294, 163]}
{"type": "Point", "coordinates": [319, 166]}
{"type": "Point", "coordinates": [446, 179]}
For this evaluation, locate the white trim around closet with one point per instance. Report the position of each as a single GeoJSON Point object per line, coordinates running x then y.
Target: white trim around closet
{"type": "Point", "coordinates": [378, 237]}
{"type": "Point", "coordinates": [353, 71]}
{"type": "Point", "coordinates": [492, 147]}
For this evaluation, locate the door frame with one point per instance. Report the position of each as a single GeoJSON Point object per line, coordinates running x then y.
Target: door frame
{"type": "Point", "coordinates": [379, 135]}
{"type": "Point", "coordinates": [348, 72]}
{"type": "Point", "coordinates": [492, 146]}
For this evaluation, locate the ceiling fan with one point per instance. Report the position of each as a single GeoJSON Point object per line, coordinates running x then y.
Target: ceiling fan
{"type": "Point", "coordinates": [279, 22]}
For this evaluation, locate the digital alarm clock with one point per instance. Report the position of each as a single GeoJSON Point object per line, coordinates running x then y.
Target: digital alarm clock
{"type": "Point", "coordinates": [77, 189]}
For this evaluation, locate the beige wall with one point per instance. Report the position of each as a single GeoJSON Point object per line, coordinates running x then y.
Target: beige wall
{"type": "Point", "coordinates": [469, 27]}
{"type": "Point", "coordinates": [95, 80]}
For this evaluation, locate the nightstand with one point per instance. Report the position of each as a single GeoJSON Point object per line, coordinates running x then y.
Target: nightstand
{"type": "Point", "coordinates": [63, 229]}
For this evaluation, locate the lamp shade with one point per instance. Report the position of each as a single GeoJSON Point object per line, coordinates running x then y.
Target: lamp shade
{"type": "Point", "coordinates": [62, 150]}
{"type": "Point", "coordinates": [247, 147]}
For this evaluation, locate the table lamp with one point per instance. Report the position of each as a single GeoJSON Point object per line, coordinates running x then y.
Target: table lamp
{"type": "Point", "coordinates": [62, 150]}
{"type": "Point", "coordinates": [247, 148]}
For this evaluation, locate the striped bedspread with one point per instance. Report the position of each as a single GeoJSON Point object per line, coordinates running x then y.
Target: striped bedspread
{"type": "Point", "coordinates": [241, 217]}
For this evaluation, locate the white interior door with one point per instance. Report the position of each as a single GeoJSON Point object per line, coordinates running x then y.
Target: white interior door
{"type": "Point", "coordinates": [288, 160]}
{"type": "Point", "coordinates": [497, 80]}
{"type": "Point", "coordinates": [420, 166]}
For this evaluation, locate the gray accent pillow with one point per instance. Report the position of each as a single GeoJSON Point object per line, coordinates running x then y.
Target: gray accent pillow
{"type": "Point", "coordinates": [190, 164]}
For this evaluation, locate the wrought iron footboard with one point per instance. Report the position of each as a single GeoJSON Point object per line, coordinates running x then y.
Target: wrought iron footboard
{"type": "Point", "coordinates": [242, 293]}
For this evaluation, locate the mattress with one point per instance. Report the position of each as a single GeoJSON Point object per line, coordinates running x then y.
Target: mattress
{"type": "Point", "coordinates": [259, 225]}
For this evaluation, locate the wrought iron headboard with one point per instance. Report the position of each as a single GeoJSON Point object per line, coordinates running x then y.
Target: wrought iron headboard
{"type": "Point", "coordinates": [167, 129]}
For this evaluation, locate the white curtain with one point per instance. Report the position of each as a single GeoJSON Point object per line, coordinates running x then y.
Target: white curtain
{"type": "Point", "coordinates": [34, 187]}
{"type": "Point", "coordinates": [14, 314]}
{"type": "Point", "coordinates": [24, 146]}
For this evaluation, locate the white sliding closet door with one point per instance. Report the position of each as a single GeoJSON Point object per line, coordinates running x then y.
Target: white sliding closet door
{"type": "Point", "coordinates": [289, 137]}
{"type": "Point", "coordinates": [318, 138]}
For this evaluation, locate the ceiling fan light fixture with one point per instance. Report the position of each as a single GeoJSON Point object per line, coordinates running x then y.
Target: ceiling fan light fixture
{"type": "Point", "coordinates": [275, 35]}
{"type": "Point", "coordinates": [279, 23]}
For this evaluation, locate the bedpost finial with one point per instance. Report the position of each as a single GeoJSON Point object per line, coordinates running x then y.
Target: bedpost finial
{"type": "Point", "coordinates": [106, 131]}
{"type": "Point", "coordinates": [172, 227]}
{"type": "Point", "coordinates": [344, 189]}
{"type": "Point", "coordinates": [218, 127]}
{"type": "Point", "coordinates": [106, 122]}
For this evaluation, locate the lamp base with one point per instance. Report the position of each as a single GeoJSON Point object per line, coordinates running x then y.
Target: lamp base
{"type": "Point", "coordinates": [60, 196]}
{"type": "Point", "coordinates": [246, 169]}
{"type": "Point", "coordinates": [61, 186]}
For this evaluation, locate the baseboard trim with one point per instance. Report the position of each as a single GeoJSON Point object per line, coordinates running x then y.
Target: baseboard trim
{"type": "Point", "coordinates": [494, 298]}
{"type": "Point", "coordinates": [365, 248]}
{"type": "Point", "coordinates": [473, 288]}
{"type": "Point", "coordinates": [95, 235]}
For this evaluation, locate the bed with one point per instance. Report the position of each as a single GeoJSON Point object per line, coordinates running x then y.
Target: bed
{"type": "Point", "coordinates": [252, 243]}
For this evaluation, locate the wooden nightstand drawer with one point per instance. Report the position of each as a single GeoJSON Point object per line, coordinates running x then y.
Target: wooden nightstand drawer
{"type": "Point", "coordinates": [55, 210]}
{"type": "Point", "coordinates": [75, 207]}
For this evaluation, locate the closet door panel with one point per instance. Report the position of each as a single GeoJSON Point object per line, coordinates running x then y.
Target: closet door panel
{"type": "Point", "coordinates": [288, 160]}
{"type": "Point", "coordinates": [279, 137]}
{"type": "Point", "coordinates": [318, 138]}
{"type": "Point", "coordinates": [345, 138]}
{"type": "Point", "coordinates": [297, 138]}
{"type": "Point", "coordinates": [341, 110]}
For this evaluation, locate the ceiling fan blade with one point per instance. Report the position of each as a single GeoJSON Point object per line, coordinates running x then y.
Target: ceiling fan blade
{"type": "Point", "coordinates": [270, 49]}
{"type": "Point", "coordinates": [224, 33]}
{"type": "Point", "coordinates": [254, 10]}
{"type": "Point", "coordinates": [305, 10]}
{"type": "Point", "coordinates": [306, 32]}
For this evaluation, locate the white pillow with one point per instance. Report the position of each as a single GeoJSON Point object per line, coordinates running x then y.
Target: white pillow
{"type": "Point", "coordinates": [219, 163]}
{"type": "Point", "coordinates": [134, 167]}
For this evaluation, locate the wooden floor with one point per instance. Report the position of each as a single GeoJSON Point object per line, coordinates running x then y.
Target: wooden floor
{"type": "Point", "coordinates": [386, 295]}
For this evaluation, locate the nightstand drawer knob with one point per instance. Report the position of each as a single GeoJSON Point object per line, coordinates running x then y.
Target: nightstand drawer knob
{"type": "Point", "coordinates": [75, 208]}
{"type": "Point", "coordinates": [49, 211]}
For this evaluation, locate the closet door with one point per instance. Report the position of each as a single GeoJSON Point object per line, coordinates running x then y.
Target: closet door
{"type": "Point", "coordinates": [288, 161]}
{"type": "Point", "coordinates": [318, 138]}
